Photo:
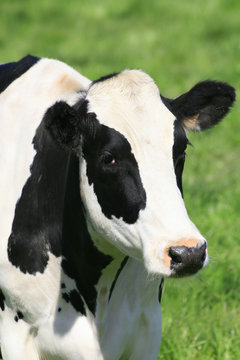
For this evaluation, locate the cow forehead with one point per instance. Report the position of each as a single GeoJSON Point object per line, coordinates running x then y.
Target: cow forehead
{"type": "Point", "coordinates": [130, 103]}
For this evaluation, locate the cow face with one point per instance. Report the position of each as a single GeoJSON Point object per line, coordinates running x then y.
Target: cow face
{"type": "Point", "coordinates": [131, 144]}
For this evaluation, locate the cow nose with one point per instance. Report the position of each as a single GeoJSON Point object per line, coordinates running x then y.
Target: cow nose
{"type": "Point", "coordinates": [186, 260]}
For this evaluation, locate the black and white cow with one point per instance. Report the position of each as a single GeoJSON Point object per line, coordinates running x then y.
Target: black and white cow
{"type": "Point", "coordinates": [92, 215]}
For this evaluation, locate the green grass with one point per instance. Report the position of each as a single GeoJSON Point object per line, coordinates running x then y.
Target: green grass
{"type": "Point", "coordinates": [178, 43]}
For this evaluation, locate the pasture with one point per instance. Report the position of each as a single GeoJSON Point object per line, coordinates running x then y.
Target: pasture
{"type": "Point", "coordinates": [178, 43]}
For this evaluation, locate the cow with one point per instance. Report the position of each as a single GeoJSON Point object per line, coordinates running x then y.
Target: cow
{"type": "Point", "coordinates": [92, 212]}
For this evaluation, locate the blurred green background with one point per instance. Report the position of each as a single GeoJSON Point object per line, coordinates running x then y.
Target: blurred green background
{"type": "Point", "coordinates": [178, 43]}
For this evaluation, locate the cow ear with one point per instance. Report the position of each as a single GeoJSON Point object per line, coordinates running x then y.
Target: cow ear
{"type": "Point", "coordinates": [203, 106]}
{"type": "Point", "coordinates": [70, 125]}
{"type": "Point", "coordinates": [63, 124]}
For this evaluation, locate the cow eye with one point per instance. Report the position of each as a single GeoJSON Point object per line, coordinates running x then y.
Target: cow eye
{"type": "Point", "coordinates": [108, 159]}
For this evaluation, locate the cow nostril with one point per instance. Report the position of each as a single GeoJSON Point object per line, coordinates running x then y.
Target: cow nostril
{"type": "Point", "coordinates": [203, 258]}
{"type": "Point", "coordinates": [204, 253]}
{"type": "Point", "coordinates": [175, 255]}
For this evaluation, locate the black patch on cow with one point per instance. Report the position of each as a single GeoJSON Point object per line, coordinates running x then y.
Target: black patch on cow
{"type": "Point", "coordinates": [11, 71]}
{"type": "Point", "coordinates": [2, 299]}
{"type": "Point", "coordinates": [37, 225]}
{"type": "Point", "coordinates": [123, 263]}
{"type": "Point", "coordinates": [59, 309]}
{"type": "Point", "coordinates": [75, 299]}
{"type": "Point", "coordinates": [63, 286]}
{"type": "Point", "coordinates": [160, 290]}
{"type": "Point", "coordinates": [104, 78]}
{"type": "Point", "coordinates": [179, 147]}
{"type": "Point", "coordinates": [113, 171]}
{"type": "Point", "coordinates": [65, 296]}
{"type": "Point", "coordinates": [20, 315]}
{"type": "Point", "coordinates": [82, 261]}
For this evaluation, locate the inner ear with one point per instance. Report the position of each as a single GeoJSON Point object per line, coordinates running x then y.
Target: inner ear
{"type": "Point", "coordinates": [191, 123]}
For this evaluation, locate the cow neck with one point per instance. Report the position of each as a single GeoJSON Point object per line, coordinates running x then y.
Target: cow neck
{"type": "Point", "coordinates": [82, 261]}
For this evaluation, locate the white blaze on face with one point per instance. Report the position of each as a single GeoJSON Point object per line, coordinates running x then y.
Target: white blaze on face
{"type": "Point", "coordinates": [130, 103]}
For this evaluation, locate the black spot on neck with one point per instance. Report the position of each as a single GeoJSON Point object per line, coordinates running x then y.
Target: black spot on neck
{"type": "Point", "coordinates": [65, 296]}
{"type": "Point", "coordinates": [82, 261]}
{"type": "Point", "coordinates": [11, 71]}
{"type": "Point", "coordinates": [37, 225]}
{"type": "Point", "coordinates": [2, 299]}
{"type": "Point", "coordinates": [20, 314]}
{"type": "Point", "coordinates": [75, 299]}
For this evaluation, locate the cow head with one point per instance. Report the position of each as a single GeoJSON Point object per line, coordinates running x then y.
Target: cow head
{"type": "Point", "coordinates": [131, 145]}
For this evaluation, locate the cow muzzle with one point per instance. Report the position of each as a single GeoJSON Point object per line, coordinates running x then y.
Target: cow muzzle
{"type": "Point", "coordinates": [185, 261]}
{"type": "Point", "coordinates": [186, 257]}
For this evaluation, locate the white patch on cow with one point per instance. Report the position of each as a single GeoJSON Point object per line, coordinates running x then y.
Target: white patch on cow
{"type": "Point", "coordinates": [36, 296]}
{"type": "Point", "coordinates": [50, 333]}
{"type": "Point", "coordinates": [103, 289]}
{"type": "Point", "coordinates": [17, 342]}
{"type": "Point", "coordinates": [44, 331]}
{"type": "Point", "coordinates": [130, 103]}
{"type": "Point", "coordinates": [43, 288]}
{"type": "Point", "coordinates": [133, 316]}
{"type": "Point", "coordinates": [67, 334]}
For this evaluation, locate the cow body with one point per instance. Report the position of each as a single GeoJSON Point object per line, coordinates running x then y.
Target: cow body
{"type": "Point", "coordinates": [87, 232]}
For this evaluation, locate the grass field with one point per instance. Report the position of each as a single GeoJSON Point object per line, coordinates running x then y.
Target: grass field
{"type": "Point", "coordinates": [178, 43]}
